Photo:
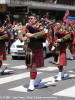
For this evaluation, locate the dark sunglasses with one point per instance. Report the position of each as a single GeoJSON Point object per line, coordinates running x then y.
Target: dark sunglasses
{"type": "Point", "coordinates": [30, 18]}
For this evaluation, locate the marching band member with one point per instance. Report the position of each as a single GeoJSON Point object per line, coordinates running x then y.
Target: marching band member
{"type": "Point", "coordinates": [36, 36]}
{"type": "Point", "coordinates": [68, 20]}
{"type": "Point", "coordinates": [3, 38]}
{"type": "Point", "coordinates": [60, 50]}
{"type": "Point", "coordinates": [71, 38]}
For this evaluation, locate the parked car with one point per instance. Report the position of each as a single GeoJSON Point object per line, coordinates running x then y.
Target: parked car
{"type": "Point", "coordinates": [16, 49]}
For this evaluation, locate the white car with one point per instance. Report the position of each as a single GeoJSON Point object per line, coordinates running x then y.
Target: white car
{"type": "Point", "coordinates": [16, 49]}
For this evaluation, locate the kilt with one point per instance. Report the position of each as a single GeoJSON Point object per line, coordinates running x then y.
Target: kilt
{"type": "Point", "coordinates": [62, 58]}
{"type": "Point", "coordinates": [72, 48]}
{"type": "Point", "coordinates": [72, 45]}
{"type": "Point", "coordinates": [37, 58]}
{"type": "Point", "coordinates": [3, 53]}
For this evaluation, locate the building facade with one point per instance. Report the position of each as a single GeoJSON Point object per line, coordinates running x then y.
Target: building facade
{"type": "Point", "coordinates": [18, 9]}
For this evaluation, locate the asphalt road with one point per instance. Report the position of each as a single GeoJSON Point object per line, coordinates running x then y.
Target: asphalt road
{"type": "Point", "coordinates": [14, 83]}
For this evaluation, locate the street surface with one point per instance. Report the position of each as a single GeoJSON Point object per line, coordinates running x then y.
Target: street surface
{"type": "Point", "coordinates": [14, 83]}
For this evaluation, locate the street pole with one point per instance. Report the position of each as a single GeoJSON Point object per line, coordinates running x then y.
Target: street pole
{"type": "Point", "coordinates": [28, 7]}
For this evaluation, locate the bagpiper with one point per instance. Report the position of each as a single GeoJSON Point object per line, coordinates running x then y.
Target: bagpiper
{"type": "Point", "coordinates": [68, 20]}
{"type": "Point", "coordinates": [3, 38]}
{"type": "Point", "coordinates": [60, 50]}
{"type": "Point", "coordinates": [33, 37]}
{"type": "Point", "coordinates": [71, 39]}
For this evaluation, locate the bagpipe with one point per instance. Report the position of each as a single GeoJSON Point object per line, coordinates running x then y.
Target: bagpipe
{"type": "Point", "coordinates": [37, 37]}
{"type": "Point", "coordinates": [47, 23]}
{"type": "Point", "coordinates": [3, 36]}
{"type": "Point", "coordinates": [68, 38]}
{"type": "Point", "coordinates": [57, 35]}
{"type": "Point", "coordinates": [35, 29]}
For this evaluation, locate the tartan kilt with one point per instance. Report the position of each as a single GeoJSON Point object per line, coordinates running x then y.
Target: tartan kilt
{"type": "Point", "coordinates": [3, 53]}
{"type": "Point", "coordinates": [62, 58]}
{"type": "Point", "coordinates": [37, 58]}
{"type": "Point", "coordinates": [72, 45]}
{"type": "Point", "coordinates": [72, 48]}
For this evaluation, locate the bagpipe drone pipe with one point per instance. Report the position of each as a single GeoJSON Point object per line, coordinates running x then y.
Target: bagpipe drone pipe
{"type": "Point", "coordinates": [4, 36]}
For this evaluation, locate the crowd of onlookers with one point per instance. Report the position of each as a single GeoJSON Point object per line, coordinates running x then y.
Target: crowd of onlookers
{"type": "Point", "coordinates": [13, 28]}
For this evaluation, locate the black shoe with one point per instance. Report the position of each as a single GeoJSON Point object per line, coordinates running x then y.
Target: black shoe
{"type": "Point", "coordinates": [2, 73]}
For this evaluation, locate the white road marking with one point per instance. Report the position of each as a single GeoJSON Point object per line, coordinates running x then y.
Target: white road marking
{"type": "Point", "coordinates": [20, 76]}
{"type": "Point", "coordinates": [4, 64]}
{"type": "Point", "coordinates": [7, 70]}
{"type": "Point", "coordinates": [45, 82]}
{"type": "Point", "coordinates": [71, 71]}
{"type": "Point", "coordinates": [49, 68]}
{"type": "Point", "coordinates": [15, 77]}
{"type": "Point", "coordinates": [19, 89]}
{"type": "Point", "coordinates": [24, 75]}
{"type": "Point", "coordinates": [69, 92]}
{"type": "Point", "coordinates": [20, 67]}
{"type": "Point", "coordinates": [48, 79]}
